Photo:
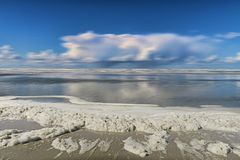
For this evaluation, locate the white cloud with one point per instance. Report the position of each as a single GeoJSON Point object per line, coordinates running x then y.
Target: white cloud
{"type": "Point", "coordinates": [211, 58]}
{"type": "Point", "coordinates": [43, 56]}
{"type": "Point", "coordinates": [135, 47]}
{"type": "Point", "coordinates": [164, 48]}
{"type": "Point", "coordinates": [7, 53]}
{"type": "Point", "coordinates": [234, 59]}
{"type": "Point", "coordinates": [208, 59]}
{"type": "Point", "coordinates": [229, 35]}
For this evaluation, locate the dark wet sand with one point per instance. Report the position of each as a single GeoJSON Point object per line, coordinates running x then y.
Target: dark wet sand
{"type": "Point", "coordinates": [42, 150]}
{"type": "Point", "coordinates": [23, 125]}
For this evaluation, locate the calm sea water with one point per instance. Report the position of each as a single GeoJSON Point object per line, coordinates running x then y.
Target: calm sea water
{"type": "Point", "coordinates": [164, 90]}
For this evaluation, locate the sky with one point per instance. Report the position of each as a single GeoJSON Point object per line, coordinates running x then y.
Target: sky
{"type": "Point", "coordinates": [120, 33]}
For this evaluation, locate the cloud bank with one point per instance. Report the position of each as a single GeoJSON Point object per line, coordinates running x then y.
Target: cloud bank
{"type": "Point", "coordinates": [234, 59]}
{"type": "Point", "coordinates": [163, 48]}
{"type": "Point", "coordinates": [7, 53]}
{"type": "Point", "coordinates": [166, 48]}
{"type": "Point", "coordinates": [89, 47]}
{"type": "Point", "coordinates": [229, 35]}
{"type": "Point", "coordinates": [47, 56]}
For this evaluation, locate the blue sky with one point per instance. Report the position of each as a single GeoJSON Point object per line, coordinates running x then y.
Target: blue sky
{"type": "Point", "coordinates": [128, 32]}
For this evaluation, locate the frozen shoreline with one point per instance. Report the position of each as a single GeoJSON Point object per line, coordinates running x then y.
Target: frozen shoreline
{"type": "Point", "coordinates": [61, 118]}
{"type": "Point", "coordinates": [146, 117]}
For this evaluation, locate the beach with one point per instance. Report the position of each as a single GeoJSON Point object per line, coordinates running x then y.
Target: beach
{"type": "Point", "coordinates": [119, 80]}
{"type": "Point", "coordinates": [143, 131]}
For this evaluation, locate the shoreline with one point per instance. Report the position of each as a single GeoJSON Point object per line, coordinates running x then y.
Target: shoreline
{"type": "Point", "coordinates": [134, 71]}
{"type": "Point", "coordinates": [157, 123]}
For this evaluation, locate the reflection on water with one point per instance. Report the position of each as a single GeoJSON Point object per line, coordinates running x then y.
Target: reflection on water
{"type": "Point", "coordinates": [164, 89]}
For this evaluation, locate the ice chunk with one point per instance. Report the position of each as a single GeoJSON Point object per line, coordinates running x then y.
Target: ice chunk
{"type": "Point", "coordinates": [154, 142]}
{"type": "Point", "coordinates": [104, 145]}
{"type": "Point", "coordinates": [67, 145]}
{"type": "Point", "coordinates": [198, 144]}
{"type": "Point", "coordinates": [219, 148]}
{"type": "Point", "coordinates": [187, 150]}
{"type": "Point", "coordinates": [135, 147]}
{"type": "Point", "coordinates": [13, 137]}
{"type": "Point", "coordinates": [87, 145]}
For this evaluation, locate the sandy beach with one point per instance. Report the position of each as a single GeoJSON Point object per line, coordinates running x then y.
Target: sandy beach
{"type": "Point", "coordinates": [43, 150]}
{"type": "Point", "coordinates": [79, 128]}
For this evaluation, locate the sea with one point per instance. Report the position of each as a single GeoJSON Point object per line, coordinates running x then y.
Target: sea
{"type": "Point", "coordinates": [165, 90]}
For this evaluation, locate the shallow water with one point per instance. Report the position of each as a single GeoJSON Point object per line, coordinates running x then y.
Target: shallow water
{"type": "Point", "coordinates": [163, 89]}
{"type": "Point", "coordinates": [45, 99]}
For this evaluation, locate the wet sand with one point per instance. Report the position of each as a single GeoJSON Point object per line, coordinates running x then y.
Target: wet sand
{"type": "Point", "coordinates": [42, 150]}
{"type": "Point", "coordinates": [23, 125]}
{"type": "Point", "coordinates": [116, 123]}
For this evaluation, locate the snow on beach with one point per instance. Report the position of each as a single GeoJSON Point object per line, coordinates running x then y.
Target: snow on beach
{"type": "Point", "coordinates": [156, 122]}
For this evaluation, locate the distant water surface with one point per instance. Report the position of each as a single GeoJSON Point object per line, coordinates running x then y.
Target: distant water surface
{"type": "Point", "coordinates": [163, 89]}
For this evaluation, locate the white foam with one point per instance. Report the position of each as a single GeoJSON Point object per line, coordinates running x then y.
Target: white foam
{"type": "Point", "coordinates": [219, 148]}
{"type": "Point", "coordinates": [198, 144]}
{"type": "Point", "coordinates": [187, 150]}
{"type": "Point", "coordinates": [67, 145]}
{"type": "Point", "coordinates": [87, 145]}
{"type": "Point", "coordinates": [13, 137]}
{"type": "Point", "coordinates": [154, 142]}
{"type": "Point", "coordinates": [104, 145]}
{"type": "Point", "coordinates": [236, 151]}
{"type": "Point", "coordinates": [118, 117]}
{"type": "Point", "coordinates": [236, 148]}
{"type": "Point", "coordinates": [135, 147]}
